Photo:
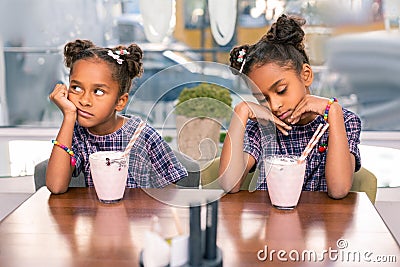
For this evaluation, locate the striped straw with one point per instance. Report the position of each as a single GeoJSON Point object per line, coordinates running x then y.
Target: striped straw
{"type": "Point", "coordinates": [313, 141]}
{"type": "Point", "coordinates": [134, 137]}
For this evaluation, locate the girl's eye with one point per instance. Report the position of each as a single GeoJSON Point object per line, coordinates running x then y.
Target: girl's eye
{"type": "Point", "coordinates": [282, 91]}
{"type": "Point", "coordinates": [76, 89]}
{"type": "Point", "coordinates": [99, 92]}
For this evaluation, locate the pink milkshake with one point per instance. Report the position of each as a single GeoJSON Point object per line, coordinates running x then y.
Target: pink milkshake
{"type": "Point", "coordinates": [285, 177]}
{"type": "Point", "coordinates": [109, 173]}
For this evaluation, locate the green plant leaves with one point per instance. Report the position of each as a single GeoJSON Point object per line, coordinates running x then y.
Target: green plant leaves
{"type": "Point", "coordinates": [205, 100]}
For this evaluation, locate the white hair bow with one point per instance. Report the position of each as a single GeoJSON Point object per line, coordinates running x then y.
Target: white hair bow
{"type": "Point", "coordinates": [117, 54]}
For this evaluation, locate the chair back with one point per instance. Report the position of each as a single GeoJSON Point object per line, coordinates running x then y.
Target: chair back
{"type": "Point", "coordinates": [39, 176]}
{"type": "Point", "coordinates": [365, 181]}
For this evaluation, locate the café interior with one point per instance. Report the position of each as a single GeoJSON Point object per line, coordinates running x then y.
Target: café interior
{"type": "Point", "coordinates": [353, 46]}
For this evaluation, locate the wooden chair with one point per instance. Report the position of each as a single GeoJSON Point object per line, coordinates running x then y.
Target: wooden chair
{"type": "Point", "coordinates": [363, 181]}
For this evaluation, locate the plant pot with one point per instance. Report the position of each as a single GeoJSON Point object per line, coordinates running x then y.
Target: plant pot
{"type": "Point", "coordinates": [198, 137]}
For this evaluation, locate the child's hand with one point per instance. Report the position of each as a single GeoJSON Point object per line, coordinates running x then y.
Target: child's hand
{"type": "Point", "coordinates": [308, 106]}
{"type": "Point", "coordinates": [264, 115]}
{"type": "Point", "coordinates": [60, 97]}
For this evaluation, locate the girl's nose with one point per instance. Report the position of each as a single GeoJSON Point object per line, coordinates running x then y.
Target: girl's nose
{"type": "Point", "coordinates": [275, 104]}
{"type": "Point", "coordinates": [85, 100]}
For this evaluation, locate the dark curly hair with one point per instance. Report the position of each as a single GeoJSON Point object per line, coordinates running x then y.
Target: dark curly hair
{"type": "Point", "coordinates": [124, 73]}
{"type": "Point", "coordinates": [282, 45]}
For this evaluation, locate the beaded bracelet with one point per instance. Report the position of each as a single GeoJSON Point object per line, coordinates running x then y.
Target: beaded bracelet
{"type": "Point", "coordinates": [69, 151]}
{"type": "Point", "coordinates": [328, 107]}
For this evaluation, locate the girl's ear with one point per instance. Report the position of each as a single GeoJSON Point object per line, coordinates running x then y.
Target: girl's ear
{"type": "Point", "coordinates": [121, 102]}
{"type": "Point", "coordinates": [307, 75]}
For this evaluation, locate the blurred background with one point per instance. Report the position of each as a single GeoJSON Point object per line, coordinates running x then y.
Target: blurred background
{"type": "Point", "coordinates": [355, 57]}
{"type": "Point", "coordinates": [353, 46]}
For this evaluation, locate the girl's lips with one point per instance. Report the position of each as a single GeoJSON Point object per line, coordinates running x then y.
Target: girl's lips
{"type": "Point", "coordinates": [84, 114]}
{"type": "Point", "coordinates": [284, 115]}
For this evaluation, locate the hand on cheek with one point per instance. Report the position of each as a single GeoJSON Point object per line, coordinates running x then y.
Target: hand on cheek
{"type": "Point", "coordinates": [60, 97]}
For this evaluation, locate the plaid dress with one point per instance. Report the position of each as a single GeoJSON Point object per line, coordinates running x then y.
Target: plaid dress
{"type": "Point", "coordinates": [152, 163]}
{"type": "Point", "coordinates": [262, 141]}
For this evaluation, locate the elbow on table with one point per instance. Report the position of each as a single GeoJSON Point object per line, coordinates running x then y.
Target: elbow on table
{"type": "Point", "coordinates": [338, 194]}
{"type": "Point", "coordinates": [229, 185]}
{"type": "Point", "coordinates": [56, 189]}
{"type": "Point", "coordinates": [233, 190]}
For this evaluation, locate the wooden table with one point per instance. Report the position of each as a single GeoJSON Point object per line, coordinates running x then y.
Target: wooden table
{"type": "Point", "coordinates": [75, 229]}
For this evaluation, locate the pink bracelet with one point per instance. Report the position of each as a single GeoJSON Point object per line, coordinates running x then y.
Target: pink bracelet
{"type": "Point", "coordinates": [69, 151]}
{"type": "Point", "coordinates": [328, 107]}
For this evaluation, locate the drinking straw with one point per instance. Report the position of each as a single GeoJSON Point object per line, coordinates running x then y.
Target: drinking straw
{"type": "Point", "coordinates": [313, 141]}
{"type": "Point", "coordinates": [135, 136]}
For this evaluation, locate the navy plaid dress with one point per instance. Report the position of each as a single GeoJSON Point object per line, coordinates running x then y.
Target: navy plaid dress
{"type": "Point", "coordinates": [152, 163]}
{"type": "Point", "coordinates": [262, 141]}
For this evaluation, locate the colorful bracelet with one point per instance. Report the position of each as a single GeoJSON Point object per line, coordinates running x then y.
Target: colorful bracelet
{"type": "Point", "coordinates": [69, 151]}
{"type": "Point", "coordinates": [328, 107]}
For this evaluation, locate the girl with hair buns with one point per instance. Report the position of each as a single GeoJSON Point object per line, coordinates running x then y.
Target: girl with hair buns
{"type": "Point", "coordinates": [99, 84]}
{"type": "Point", "coordinates": [279, 67]}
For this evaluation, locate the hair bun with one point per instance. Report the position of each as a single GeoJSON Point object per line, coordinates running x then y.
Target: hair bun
{"type": "Point", "coordinates": [287, 30]}
{"type": "Point", "coordinates": [72, 49]}
{"type": "Point", "coordinates": [134, 59]}
{"type": "Point", "coordinates": [235, 55]}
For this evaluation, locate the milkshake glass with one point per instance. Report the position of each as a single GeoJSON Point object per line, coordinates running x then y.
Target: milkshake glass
{"type": "Point", "coordinates": [109, 173]}
{"type": "Point", "coordinates": [285, 177]}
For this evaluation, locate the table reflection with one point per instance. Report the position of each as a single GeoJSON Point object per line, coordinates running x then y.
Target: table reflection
{"type": "Point", "coordinates": [284, 225]}
{"type": "Point", "coordinates": [75, 229]}
{"type": "Point", "coordinates": [299, 235]}
{"type": "Point", "coordinates": [103, 232]}
{"type": "Point", "coordinates": [324, 229]}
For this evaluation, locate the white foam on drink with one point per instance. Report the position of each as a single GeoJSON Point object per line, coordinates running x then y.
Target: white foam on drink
{"type": "Point", "coordinates": [104, 154]}
{"type": "Point", "coordinates": [282, 160]}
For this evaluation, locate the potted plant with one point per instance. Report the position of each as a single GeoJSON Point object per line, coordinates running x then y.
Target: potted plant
{"type": "Point", "coordinates": [200, 112]}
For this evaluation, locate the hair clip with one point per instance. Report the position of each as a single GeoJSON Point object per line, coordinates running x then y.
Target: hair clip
{"type": "Point", "coordinates": [115, 56]}
{"type": "Point", "coordinates": [241, 58]}
{"type": "Point", "coordinates": [122, 52]}
{"type": "Point", "coordinates": [242, 53]}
